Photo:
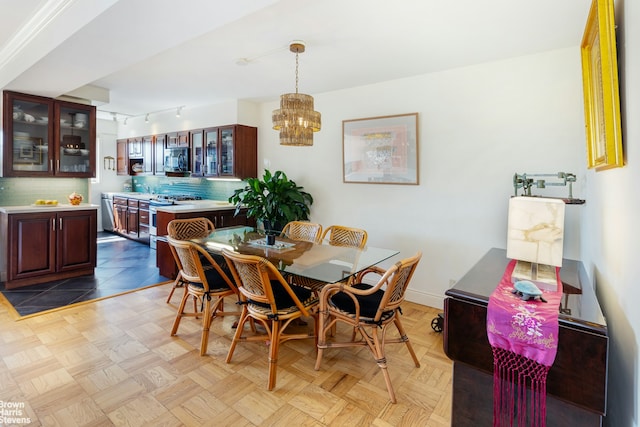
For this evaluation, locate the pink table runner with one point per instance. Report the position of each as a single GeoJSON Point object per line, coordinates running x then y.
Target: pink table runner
{"type": "Point", "coordinates": [524, 339]}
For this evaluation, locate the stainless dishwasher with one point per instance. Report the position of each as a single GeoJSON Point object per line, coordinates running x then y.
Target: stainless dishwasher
{"type": "Point", "coordinates": [108, 223]}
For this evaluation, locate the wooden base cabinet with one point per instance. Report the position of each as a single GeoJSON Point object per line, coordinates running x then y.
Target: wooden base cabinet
{"type": "Point", "coordinates": [51, 245]}
{"type": "Point", "coordinates": [220, 218]}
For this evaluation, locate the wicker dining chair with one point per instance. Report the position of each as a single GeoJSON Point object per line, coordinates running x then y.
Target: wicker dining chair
{"type": "Point", "coordinates": [340, 235]}
{"type": "Point", "coordinates": [185, 229]}
{"type": "Point", "coordinates": [303, 231]}
{"type": "Point", "coordinates": [336, 235]}
{"type": "Point", "coordinates": [368, 310]}
{"type": "Point", "coordinates": [268, 299]}
{"type": "Point", "coordinates": [203, 285]}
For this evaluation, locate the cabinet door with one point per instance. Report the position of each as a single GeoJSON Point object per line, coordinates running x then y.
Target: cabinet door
{"type": "Point", "coordinates": [178, 139]}
{"type": "Point", "coordinates": [197, 153]}
{"type": "Point", "coordinates": [28, 135]}
{"type": "Point", "coordinates": [120, 214]}
{"type": "Point", "coordinates": [158, 155]}
{"type": "Point", "coordinates": [245, 144]}
{"type": "Point", "coordinates": [211, 151]}
{"type": "Point", "coordinates": [226, 218]}
{"type": "Point", "coordinates": [31, 245]}
{"type": "Point", "coordinates": [141, 155]}
{"type": "Point", "coordinates": [122, 160]}
{"type": "Point", "coordinates": [75, 140]}
{"type": "Point", "coordinates": [227, 152]}
{"type": "Point", "coordinates": [132, 222]}
{"type": "Point", "coordinates": [77, 232]}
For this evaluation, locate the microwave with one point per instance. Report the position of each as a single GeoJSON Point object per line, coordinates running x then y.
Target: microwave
{"type": "Point", "coordinates": [176, 159]}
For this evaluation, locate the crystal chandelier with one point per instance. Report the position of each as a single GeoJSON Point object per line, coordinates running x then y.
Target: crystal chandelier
{"type": "Point", "coordinates": [295, 119]}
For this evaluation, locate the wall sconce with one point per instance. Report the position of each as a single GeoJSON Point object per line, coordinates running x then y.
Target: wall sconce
{"type": "Point", "coordinates": [109, 163]}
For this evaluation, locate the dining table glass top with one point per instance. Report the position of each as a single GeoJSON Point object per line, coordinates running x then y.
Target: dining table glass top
{"type": "Point", "coordinates": [318, 261]}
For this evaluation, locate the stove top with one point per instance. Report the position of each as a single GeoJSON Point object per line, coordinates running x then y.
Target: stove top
{"type": "Point", "coordinates": [170, 199]}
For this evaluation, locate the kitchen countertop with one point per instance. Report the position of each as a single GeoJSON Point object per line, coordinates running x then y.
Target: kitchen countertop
{"type": "Point", "coordinates": [46, 208]}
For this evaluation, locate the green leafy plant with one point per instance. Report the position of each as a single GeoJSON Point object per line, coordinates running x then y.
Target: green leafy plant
{"type": "Point", "coordinates": [275, 200]}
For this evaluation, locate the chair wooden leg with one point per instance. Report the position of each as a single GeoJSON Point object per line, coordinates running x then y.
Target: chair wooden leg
{"type": "Point", "coordinates": [404, 337]}
{"type": "Point", "coordinates": [206, 325]}
{"type": "Point", "coordinates": [176, 284]}
{"type": "Point", "coordinates": [180, 314]}
{"type": "Point", "coordinates": [238, 335]}
{"type": "Point", "coordinates": [321, 338]}
{"type": "Point", "coordinates": [381, 360]}
{"type": "Point", "coordinates": [273, 353]}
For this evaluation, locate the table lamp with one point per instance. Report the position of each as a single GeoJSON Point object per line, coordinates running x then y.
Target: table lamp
{"type": "Point", "coordinates": [535, 235]}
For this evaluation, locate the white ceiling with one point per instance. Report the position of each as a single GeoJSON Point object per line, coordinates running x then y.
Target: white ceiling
{"type": "Point", "coordinates": [152, 55]}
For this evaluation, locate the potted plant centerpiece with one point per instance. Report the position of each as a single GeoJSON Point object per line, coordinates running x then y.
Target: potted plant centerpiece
{"type": "Point", "coordinates": [273, 200]}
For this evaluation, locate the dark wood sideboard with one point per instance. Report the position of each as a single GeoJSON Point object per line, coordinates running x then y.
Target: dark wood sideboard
{"type": "Point", "coordinates": [577, 381]}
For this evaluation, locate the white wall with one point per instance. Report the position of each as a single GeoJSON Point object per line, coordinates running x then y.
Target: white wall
{"type": "Point", "coordinates": [611, 232]}
{"type": "Point", "coordinates": [477, 127]}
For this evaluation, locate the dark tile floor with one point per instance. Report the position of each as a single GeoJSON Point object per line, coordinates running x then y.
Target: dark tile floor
{"type": "Point", "coordinates": [122, 265]}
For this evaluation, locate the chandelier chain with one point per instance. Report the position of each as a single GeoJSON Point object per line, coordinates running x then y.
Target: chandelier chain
{"type": "Point", "coordinates": [296, 72]}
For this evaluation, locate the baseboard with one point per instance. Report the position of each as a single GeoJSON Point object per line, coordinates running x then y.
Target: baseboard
{"type": "Point", "coordinates": [424, 298]}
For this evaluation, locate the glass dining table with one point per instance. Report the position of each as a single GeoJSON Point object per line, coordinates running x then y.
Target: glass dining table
{"type": "Point", "coordinates": [317, 261]}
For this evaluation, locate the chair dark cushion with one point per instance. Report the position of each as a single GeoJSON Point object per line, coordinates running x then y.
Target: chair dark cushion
{"type": "Point", "coordinates": [368, 303]}
{"type": "Point", "coordinates": [282, 298]}
{"type": "Point", "coordinates": [214, 279]}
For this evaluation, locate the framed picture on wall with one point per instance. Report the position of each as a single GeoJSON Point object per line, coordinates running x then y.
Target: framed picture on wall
{"type": "Point", "coordinates": [600, 87]}
{"type": "Point", "coordinates": [381, 150]}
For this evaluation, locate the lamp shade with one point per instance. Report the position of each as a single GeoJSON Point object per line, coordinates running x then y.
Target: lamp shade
{"type": "Point", "coordinates": [535, 231]}
{"type": "Point", "coordinates": [296, 119]}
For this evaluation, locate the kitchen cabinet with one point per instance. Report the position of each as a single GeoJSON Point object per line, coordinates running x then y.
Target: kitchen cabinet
{"type": "Point", "coordinates": [230, 151]}
{"type": "Point", "coordinates": [122, 157]}
{"type": "Point", "coordinates": [48, 137]}
{"type": "Point", "coordinates": [177, 139]}
{"type": "Point", "coordinates": [131, 218]}
{"type": "Point", "coordinates": [143, 221]}
{"type": "Point", "coordinates": [141, 155]}
{"type": "Point", "coordinates": [219, 217]}
{"type": "Point", "coordinates": [158, 154]}
{"type": "Point", "coordinates": [49, 245]}
{"type": "Point", "coordinates": [197, 152]}
{"type": "Point", "coordinates": [120, 207]}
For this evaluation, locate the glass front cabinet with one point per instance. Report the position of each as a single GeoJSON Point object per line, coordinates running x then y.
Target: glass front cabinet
{"type": "Point", "coordinates": [48, 137]}
{"type": "Point", "coordinates": [226, 152]}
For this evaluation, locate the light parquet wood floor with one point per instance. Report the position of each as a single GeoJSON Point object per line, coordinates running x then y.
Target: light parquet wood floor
{"type": "Point", "coordinates": [113, 363]}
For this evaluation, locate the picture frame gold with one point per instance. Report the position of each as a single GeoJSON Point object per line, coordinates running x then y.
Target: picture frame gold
{"type": "Point", "coordinates": [600, 88]}
{"type": "Point", "coordinates": [381, 150]}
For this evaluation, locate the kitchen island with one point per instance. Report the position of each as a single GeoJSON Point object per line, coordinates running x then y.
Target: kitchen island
{"type": "Point", "coordinates": [221, 214]}
{"type": "Point", "coordinates": [47, 242]}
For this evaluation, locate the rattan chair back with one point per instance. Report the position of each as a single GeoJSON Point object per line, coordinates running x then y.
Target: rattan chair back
{"type": "Point", "coordinates": [339, 235]}
{"type": "Point", "coordinates": [304, 231]}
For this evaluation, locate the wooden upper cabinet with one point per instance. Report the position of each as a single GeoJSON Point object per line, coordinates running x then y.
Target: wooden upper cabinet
{"type": "Point", "coordinates": [47, 137]}
{"type": "Point", "coordinates": [141, 155]}
{"type": "Point", "coordinates": [231, 151]}
{"type": "Point", "coordinates": [122, 154]}
{"type": "Point", "coordinates": [158, 154]}
{"type": "Point", "coordinates": [177, 139]}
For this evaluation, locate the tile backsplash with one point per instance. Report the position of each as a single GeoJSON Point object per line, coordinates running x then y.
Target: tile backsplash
{"type": "Point", "coordinates": [25, 191]}
{"type": "Point", "coordinates": [207, 189]}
